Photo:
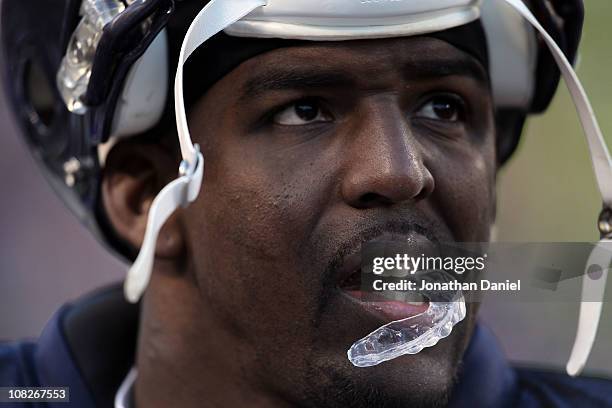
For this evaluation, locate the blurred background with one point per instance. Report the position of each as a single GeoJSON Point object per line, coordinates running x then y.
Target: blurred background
{"type": "Point", "coordinates": [546, 193]}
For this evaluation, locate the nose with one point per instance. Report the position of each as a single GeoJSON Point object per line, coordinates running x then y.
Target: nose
{"type": "Point", "coordinates": [385, 162]}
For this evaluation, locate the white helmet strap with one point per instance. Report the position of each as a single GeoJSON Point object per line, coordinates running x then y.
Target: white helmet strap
{"type": "Point", "coordinates": [210, 20]}
{"type": "Point", "coordinates": [590, 312]}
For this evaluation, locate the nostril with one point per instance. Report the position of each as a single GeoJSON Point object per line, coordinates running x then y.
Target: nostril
{"type": "Point", "coordinates": [422, 194]}
{"type": "Point", "coordinates": [372, 199]}
{"type": "Point", "coordinates": [369, 197]}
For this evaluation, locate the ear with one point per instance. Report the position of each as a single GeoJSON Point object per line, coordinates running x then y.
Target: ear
{"type": "Point", "coordinates": [133, 175]}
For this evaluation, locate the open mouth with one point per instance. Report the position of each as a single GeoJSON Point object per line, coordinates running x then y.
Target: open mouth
{"type": "Point", "coordinates": [408, 326]}
{"type": "Point", "coordinates": [386, 306]}
{"type": "Point", "coordinates": [412, 317]}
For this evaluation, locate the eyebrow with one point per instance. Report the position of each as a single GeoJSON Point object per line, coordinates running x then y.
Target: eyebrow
{"type": "Point", "coordinates": [439, 68]}
{"type": "Point", "coordinates": [278, 79]}
{"type": "Point", "coordinates": [307, 78]}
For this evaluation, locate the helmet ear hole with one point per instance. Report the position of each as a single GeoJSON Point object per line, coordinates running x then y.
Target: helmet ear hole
{"type": "Point", "coordinates": [40, 96]}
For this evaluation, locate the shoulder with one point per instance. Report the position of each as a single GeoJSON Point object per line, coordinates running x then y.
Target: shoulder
{"type": "Point", "coordinates": [83, 346]}
{"type": "Point", "coordinates": [17, 364]}
{"type": "Point", "coordinates": [555, 389]}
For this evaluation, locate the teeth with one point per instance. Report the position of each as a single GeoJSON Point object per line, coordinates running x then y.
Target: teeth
{"type": "Point", "coordinates": [416, 303]}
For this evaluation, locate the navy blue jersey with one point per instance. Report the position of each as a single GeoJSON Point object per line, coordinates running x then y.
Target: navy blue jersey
{"type": "Point", "coordinates": [89, 346]}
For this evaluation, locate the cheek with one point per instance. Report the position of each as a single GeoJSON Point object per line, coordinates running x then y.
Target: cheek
{"type": "Point", "coordinates": [465, 192]}
{"type": "Point", "coordinates": [263, 209]}
{"type": "Point", "coordinates": [252, 237]}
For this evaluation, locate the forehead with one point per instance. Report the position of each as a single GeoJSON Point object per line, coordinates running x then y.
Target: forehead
{"type": "Point", "coordinates": [400, 48]}
{"type": "Point", "coordinates": [349, 62]}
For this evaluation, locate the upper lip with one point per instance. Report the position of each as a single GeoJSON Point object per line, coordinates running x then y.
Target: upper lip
{"type": "Point", "coordinates": [352, 262]}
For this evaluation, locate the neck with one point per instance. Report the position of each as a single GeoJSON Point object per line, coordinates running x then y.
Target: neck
{"type": "Point", "coordinates": [186, 359]}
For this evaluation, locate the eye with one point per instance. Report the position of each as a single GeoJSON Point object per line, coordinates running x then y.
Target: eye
{"type": "Point", "coordinates": [444, 108]}
{"type": "Point", "coordinates": [302, 113]}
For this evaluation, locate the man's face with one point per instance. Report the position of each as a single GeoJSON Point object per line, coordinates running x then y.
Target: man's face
{"type": "Point", "coordinates": [311, 152]}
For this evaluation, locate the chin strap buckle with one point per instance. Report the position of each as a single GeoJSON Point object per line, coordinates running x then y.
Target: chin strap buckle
{"type": "Point", "coordinates": [604, 223]}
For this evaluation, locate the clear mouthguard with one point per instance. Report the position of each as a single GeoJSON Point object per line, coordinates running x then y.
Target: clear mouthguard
{"type": "Point", "coordinates": [413, 334]}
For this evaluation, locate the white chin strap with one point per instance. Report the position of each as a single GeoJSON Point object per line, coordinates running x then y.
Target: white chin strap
{"type": "Point", "coordinates": [211, 20]}
{"type": "Point", "coordinates": [218, 15]}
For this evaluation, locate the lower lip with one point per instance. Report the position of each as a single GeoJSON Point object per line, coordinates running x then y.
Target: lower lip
{"type": "Point", "coordinates": [387, 310]}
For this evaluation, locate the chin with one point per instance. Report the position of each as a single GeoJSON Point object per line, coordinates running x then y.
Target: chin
{"type": "Point", "coordinates": [423, 380]}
